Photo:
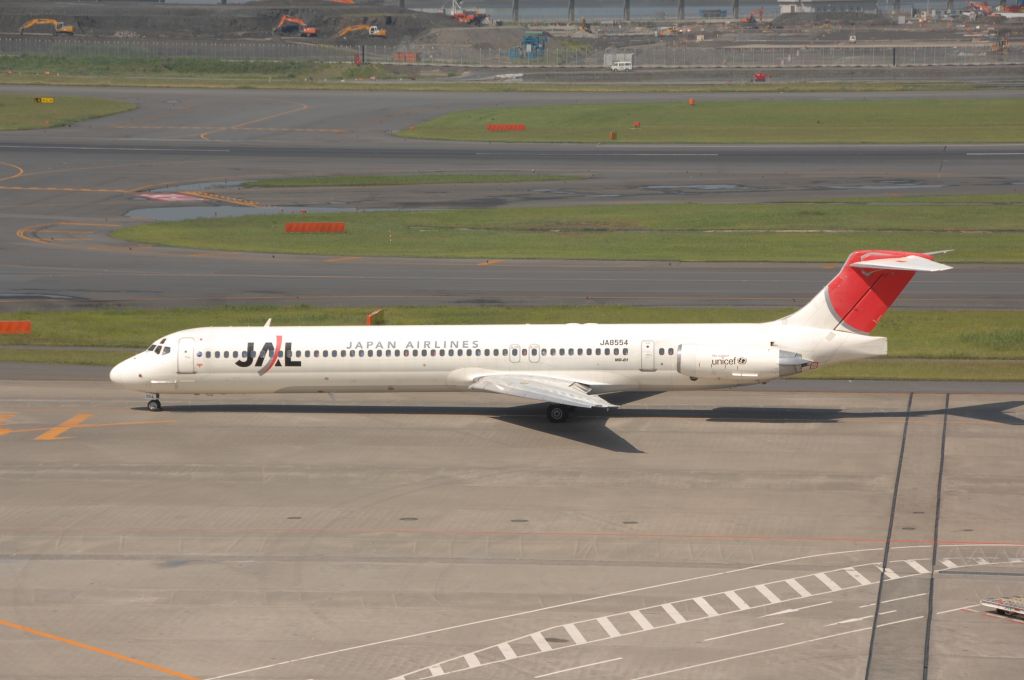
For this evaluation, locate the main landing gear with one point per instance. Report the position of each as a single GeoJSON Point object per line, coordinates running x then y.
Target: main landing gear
{"type": "Point", "coordinates": [557, 413]}
{"type": "Point", "coordinates": [154, 403]}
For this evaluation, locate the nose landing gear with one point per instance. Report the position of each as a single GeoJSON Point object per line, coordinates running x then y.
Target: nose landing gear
{"type": "Point", "coordinates": [154, 403]}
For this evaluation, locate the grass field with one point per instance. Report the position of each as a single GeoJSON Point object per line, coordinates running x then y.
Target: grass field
{"type": "Point", "coordinates": [402, 180]}
{"type": "Point", "coordinates": [306, 74]}
{"type": "Point", "coordinates": [978, 228]}
{"type": "Point", "coordinates": [893, 121]}
{"type": "Point", "coordinates": [927, 345]}
{"type": "Point", "coordinates": [22, 112]}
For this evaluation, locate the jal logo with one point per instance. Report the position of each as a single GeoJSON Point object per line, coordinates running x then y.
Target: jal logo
{"type": "Point", "coordinates": [268, 357]}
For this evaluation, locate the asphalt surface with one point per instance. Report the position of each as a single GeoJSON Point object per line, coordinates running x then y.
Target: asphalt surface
{"type": "Point", "coordinates": [410, 536]}
{"type": "Point", "coordinates": [64, 189]}
{"type": "Point", "coordinates": [736, 534]}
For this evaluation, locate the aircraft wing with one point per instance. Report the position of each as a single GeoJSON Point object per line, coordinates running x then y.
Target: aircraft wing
{"type": "Point", "coordinates": [540, 388]}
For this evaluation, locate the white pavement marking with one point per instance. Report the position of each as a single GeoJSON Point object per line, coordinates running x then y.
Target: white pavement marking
{"type": "Point", "coordinates": [610, 630]}
{"type": "Point", "coordinates": [542, 644]}
{"type": "Point", "coordinates": [772, 649]}
{"type": "Point", "coordinates": [575, 634]}
{"type": "Point", "coordinates": [507, 651]}
{"type": "Point", "coordinates": [641, 620]}
{"type": "Point", "coordinates": [895, 599]}
{"type": "Point", "coordinates": [576, 668]}
{"type": "Point", "coordinates": [728, 572]}
{"type": "Point", "coordinates": [981, 561]}
{"type": "Point", "coordinates": [859, 618]}
{"type": "Point", "coordinates": [768, 595]}
{"type": "Point", "coordinates": [743, 632]}
{"type": "Point", "coordinates": [673, 613]}
{"type": "Point", "coordinates": [890, 575]}
{"type": "Point", "coordinates": [436, 671]}
{"type": "Point", "coordinates": [736, 600]}
{"type": "Point", "coordinates": [829, 583]}
{"type": "Point", "coordinates": [795, 585]}
{"type": "Point", "coordinates": [797, 609]}
{"type": "Point", "coordinates": [965, 608]}
{"type": "Point", "coordinates": [703, 604]}
{"type": "Point", "coordinates": [994, 153]}
{"type": "Point", "coordinates": [857, 576]}
{"type": "Point", "coordinates": [472, 661]}
{"type": "Point", "coordinates": [920, 569]}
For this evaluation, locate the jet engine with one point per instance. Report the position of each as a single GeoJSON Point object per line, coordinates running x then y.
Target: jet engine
{"type": "Point", "coordinates": [739, 364]}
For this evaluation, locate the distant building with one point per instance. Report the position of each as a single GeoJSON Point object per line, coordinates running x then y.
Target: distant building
{"type": "Point", "coordinates": [830, 6]}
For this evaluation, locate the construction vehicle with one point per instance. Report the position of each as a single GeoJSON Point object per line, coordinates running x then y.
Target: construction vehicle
{"type": "Point", "coordinates": [469, 17]}
{"type": "Point", "coordinates": [288, 24]}
{"type": "Point", "coordinates": [1012, 605]}
{"type": "Point", "coordinates": [373, 30]}
{"type": "Point", "coordinates": [58, 27]}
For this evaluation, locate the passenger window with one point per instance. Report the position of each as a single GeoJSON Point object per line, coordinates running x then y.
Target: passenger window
{"type": "Point", "coordinates": [607, 351]}
{"type": "Point", "coordinates": [661, 351]}
{"type": "Point", "coordinates": [216, 355]}
{"type": "Point", "coordinates": [589, 351]}
{"type": "Point", "coordinates": [671, 351]}
{"type": "Point", "coordinates": [360, 353]}
{"type": "Point", "coordinates": [625, 350]}
{"type": "Point", "coordinates": [561, 352]}
{"type": "Point", "coordinates": [478, 352]}
{"type": "Point", "coordinates": [504, 353]}
{"type": "Point", "coordinates": [515, 352]}
{"type": "Point", "coordinates": [316, 354]}
{"type": "Point", "coordinates": [616, 351]}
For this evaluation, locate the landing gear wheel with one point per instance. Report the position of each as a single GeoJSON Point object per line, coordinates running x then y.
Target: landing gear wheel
{"type": "Point", "coordinates": [558, 413]}
{"type": "Point", "coordinates": [154, 405]}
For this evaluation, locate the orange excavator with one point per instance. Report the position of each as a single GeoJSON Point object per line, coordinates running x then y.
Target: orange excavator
{"type": "Point", "coordinates": [59, 27]}
{"type": "Point", "coordinates": [289, 24]}
{"type": "Point", "coordinates": [372, 29]}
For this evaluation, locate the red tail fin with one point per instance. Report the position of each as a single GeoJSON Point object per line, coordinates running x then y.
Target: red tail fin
{"type": "Point", "coordinates": [862, 291]}
{"type": "Point", "coordinates": [870, 281]}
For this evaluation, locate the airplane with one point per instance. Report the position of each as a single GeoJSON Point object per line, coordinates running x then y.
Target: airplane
{"type": "Point", "coordinates": [568, 366]}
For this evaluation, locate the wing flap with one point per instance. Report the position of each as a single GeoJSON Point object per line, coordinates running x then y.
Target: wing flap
{"type": "Point", "coordinates": [539, 388]}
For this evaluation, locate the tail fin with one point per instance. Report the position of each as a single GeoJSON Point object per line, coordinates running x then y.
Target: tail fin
{"type": "Point", "coordinates": [867, 285]}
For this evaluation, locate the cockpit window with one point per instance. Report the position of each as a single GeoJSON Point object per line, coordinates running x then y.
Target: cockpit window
{"type": "Point", "coordinates": [167, 350]}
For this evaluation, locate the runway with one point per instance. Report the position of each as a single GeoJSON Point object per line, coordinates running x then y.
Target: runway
{"type": "Point", "coordinates": [64, 189]}
{"type": "Point", "coordinates": [390, 536]}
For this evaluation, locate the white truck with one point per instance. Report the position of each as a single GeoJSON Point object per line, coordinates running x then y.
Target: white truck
{"type": "Point", "coordinates": [1012, 605]}
{"type": "Point", "coordinates": [619, 61]}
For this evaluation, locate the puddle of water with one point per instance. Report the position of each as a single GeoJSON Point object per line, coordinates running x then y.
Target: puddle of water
{"type": "Point", "coordinates": [691, 187]}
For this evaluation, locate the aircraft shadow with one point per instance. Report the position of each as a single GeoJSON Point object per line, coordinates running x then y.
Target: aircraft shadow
{"type": "Point", "coordinates": [591, 427]}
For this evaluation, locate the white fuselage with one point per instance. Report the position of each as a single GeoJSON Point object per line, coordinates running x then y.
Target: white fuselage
{"type": "Point", "coordinates": [605, 357]}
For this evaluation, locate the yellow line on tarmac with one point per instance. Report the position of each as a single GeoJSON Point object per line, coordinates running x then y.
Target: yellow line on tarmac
{"type": "Point", "coordinates": [4, 417]}
{"type": "Point", "coordinates": [222, 198]}
{"type": "Point", "coordinates": [98, 650]}
{"type": "Point", "coordinates": [19, 173]}
{"type": "Point", "coordinates": [56, 432]}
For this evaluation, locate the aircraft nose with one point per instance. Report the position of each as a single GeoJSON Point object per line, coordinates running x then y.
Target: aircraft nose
{"type": "Point", "coordinates": [125, 373]}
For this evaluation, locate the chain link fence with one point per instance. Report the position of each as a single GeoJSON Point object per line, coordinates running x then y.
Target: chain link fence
{"type": "Point", "coordinates": [646, 56]}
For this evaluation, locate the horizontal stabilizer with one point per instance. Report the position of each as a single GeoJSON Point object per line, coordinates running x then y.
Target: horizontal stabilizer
{"type": "Point", "coordinates": [540, 388]}
{"type": "Point", "coordinates": [907, 263]}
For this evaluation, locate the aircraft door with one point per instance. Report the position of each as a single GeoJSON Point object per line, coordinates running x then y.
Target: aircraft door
{"type": "Point", "coordinates": [513, 354]}
{"type": "Point", "coordinates": [647, 355]}
{"type": "Point", "coordinates": [186, 355]}
{"type": "Point", "coordinates": [534, 354]}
